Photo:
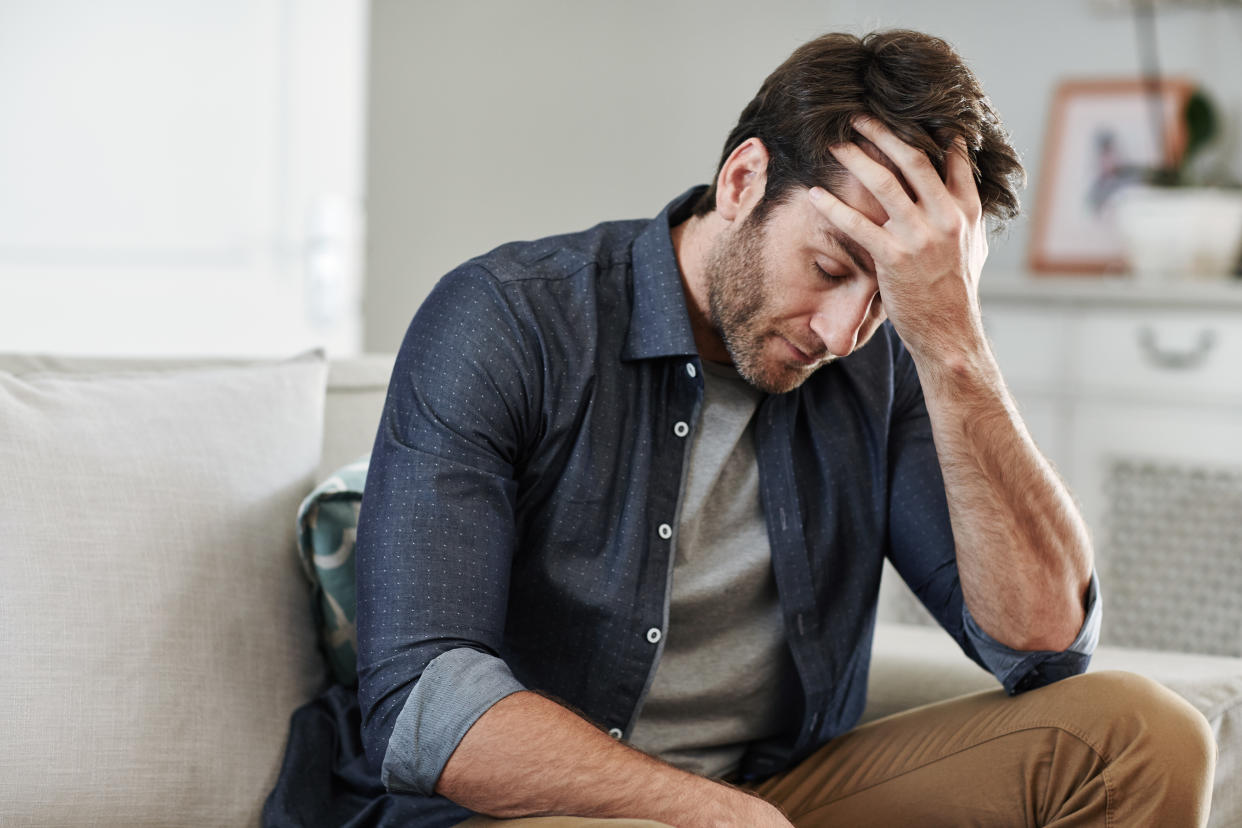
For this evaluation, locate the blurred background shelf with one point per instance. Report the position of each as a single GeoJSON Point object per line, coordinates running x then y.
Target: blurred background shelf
{"type": "Point", "coordinates": [1108, 292]}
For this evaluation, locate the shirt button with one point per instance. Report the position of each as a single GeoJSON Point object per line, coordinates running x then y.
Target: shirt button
{"type": "Point", "coordinates": [665, 531]}
{"type": "Point", "coordinates": [690, 370]}
{"type": "Point", "coordinates": [616, 733]}
{"type": "Point", "coordinates": [681, 429]}
{"type": "Point", "coordinates": [653, 635]}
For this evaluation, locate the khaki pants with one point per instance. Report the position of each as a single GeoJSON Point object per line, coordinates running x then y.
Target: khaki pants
{"type": "Point", "coordinates": [1102, 749]}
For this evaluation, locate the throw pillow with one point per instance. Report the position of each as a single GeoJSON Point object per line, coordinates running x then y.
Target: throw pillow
{"type": "Point", "coordinates": [327, 523]}
{"type": "Point", "coordinates": [154, 629]}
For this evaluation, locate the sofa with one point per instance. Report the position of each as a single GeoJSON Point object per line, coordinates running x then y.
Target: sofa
{"type": "Point", "coordinates": [165, 604]}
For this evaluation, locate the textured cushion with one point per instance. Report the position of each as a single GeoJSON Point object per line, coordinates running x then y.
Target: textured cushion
{"type": "Point", "coordinates": [914, 665]}
{"type": "Point", "coordinates": [327, 526]}
{"type": "Point", "coordinates": [357, 387]}
{"type": "Point", "coordinates": [356, 391]}
{"type": "Point", "coordinates": [154, 628]}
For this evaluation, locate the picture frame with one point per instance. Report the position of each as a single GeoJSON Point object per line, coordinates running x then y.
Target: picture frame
{"type": "Point", "coordinates": [1103, 137]}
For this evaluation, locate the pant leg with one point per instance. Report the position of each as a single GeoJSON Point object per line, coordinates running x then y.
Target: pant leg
{"type": "Point", "coordinates": [1101, 749]}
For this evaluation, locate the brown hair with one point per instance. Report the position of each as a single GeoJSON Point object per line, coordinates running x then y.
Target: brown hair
{"type": "Point", "coordinates": [914, 83]}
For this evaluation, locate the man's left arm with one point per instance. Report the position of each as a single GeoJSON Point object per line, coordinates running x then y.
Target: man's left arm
{"type": "Point", "coordinates": [1023, 553]}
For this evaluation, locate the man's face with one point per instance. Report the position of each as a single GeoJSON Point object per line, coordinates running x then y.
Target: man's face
{"type": "Point", "coordinates": [789, 294]}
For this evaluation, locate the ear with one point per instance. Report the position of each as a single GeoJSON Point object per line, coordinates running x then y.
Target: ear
{"type": "Point", "coordinates": [742, 179]}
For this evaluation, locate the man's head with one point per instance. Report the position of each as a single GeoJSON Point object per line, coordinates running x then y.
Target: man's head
{"type": "Point", "coordinates": [914, 83]}
{"type": "Point", "coordinates": [783, 293]}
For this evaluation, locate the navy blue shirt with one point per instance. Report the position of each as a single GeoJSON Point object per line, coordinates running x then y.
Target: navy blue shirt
{"type": "Point", "coordinates": [516, 529]}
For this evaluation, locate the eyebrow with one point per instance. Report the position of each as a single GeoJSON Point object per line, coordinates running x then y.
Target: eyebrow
{"type": "Point", "coordinates": [858, 255]}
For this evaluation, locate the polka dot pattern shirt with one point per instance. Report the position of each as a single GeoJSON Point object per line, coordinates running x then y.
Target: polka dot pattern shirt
{"type": "Point", "coordinates": [517, 523]}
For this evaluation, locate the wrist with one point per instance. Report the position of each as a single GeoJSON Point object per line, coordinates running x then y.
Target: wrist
{"type": "Point", "coordinates": [958, 362]}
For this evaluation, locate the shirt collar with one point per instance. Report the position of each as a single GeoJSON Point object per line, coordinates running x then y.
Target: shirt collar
{"type": "Point", "coordinates": [659, 322]}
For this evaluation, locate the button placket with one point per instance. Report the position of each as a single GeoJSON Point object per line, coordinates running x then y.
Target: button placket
{"type": "Point", "coordinates": [682, 397]}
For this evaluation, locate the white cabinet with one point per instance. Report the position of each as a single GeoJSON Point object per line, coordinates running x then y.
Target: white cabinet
{"type": "Point", "coordinates": [1136, 396]}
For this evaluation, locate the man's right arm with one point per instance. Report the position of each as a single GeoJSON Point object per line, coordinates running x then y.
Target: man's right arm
{"type": "Point", "coordinates": [436, 538]}
{"type": "Point", "coordinates": [528, 755]}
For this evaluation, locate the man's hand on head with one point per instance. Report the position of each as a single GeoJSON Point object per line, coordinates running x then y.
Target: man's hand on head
{"type": "Point", "coordinates": [929, 253]}
{"type": "Point", "coordinates": [1023, 553]}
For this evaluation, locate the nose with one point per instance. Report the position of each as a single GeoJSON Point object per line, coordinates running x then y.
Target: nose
{"type": "Point", "coordinates": [840, 320]}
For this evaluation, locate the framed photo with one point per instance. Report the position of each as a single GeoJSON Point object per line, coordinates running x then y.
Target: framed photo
{"type": "Point", "coordinates": [1103, 136]}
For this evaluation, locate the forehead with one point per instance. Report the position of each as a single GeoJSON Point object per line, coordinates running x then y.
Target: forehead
{"type": "Point", "coordinates": [799, 224]}
{"type": "Point", "coordinates": [854, 193]}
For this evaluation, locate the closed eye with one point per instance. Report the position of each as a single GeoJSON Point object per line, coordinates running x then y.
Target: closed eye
{"type": "Point", "coordinates": [834, 278]}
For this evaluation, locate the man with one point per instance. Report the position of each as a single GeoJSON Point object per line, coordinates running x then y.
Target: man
{"type": "Point", "coordinates": [632, 490]}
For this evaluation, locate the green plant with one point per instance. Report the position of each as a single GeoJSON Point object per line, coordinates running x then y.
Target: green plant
{"type": "Point", "coordinates": [1202, 125]}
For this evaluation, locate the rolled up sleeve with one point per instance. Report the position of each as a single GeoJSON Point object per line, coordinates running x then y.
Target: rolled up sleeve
{"type": "Point", "coordinates": [455, 690]}
{"type": "Point", "coordinates": [1020, 670]}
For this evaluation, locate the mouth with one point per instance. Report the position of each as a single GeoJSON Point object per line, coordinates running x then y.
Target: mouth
{"type": "Point", "coordinates": [800, 355]}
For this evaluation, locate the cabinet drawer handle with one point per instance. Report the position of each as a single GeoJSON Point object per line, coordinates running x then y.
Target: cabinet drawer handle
{"type": "Point", "coordinates": [1175, 360]}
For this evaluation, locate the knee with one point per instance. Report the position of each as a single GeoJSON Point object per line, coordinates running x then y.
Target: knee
{"type": "Point", "coordinates": [1131, 714]}
{"type": "Point", "coordinates": [1150, 706]}
{"type": "Point", "coordinates": [1158, 752]}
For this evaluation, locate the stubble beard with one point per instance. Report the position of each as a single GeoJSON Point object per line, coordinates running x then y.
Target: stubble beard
{"type": "Point", "coordinates": [739, 306]}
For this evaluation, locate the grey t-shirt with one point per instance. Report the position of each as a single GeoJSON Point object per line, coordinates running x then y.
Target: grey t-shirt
{"type": "Point", "coordinates": [725, 668]}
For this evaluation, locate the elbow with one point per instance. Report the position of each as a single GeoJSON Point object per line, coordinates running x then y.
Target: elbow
{"type": "Point", "coordinates": [1044, 641]}
{"type": "Point", "coordinates": [1051, 620]}
{"type": "Point", "coordinates": [1035, 625]}
{"type": "Point", "coordinates": [1050, 628]}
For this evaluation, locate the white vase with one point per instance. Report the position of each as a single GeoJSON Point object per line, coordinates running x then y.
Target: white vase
{"type": "Point", "coordinates": [1180, 232]}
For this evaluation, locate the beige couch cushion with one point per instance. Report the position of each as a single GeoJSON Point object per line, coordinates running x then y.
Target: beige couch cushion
{"type": "Point", "coordinates": [155, 630]}
{"type": "Point", "coordinates": [356, 390]}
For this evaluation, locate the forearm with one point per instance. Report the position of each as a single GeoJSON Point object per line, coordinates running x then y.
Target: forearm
{"type": "Point", "coordinates": [528, 755]}
{"type": "Point", "coordinates": [1023, 555]}
{"type": "Point", "coordinates": [1023, 552]}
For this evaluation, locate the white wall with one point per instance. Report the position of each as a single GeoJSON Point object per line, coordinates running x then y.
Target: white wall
{"type": "Point", "coordinates": [492, 121]}
{"type": "Point", "coordinates": [180, 177]}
